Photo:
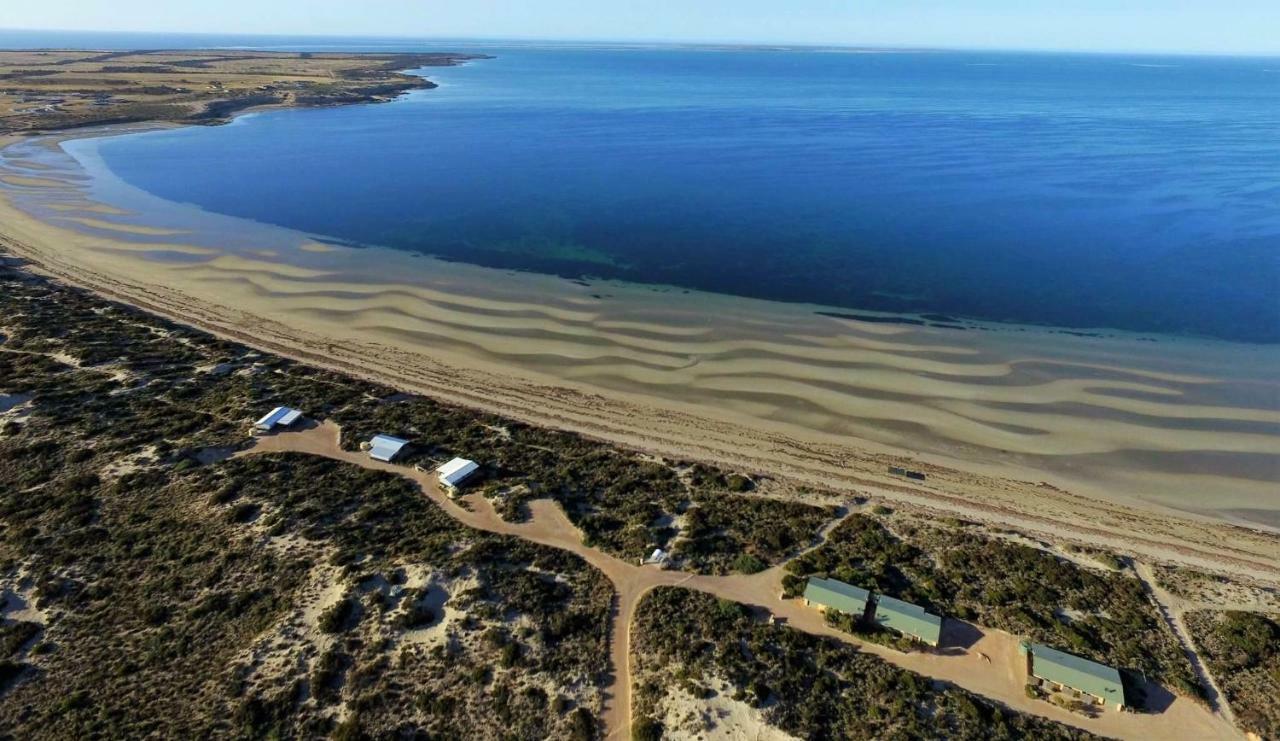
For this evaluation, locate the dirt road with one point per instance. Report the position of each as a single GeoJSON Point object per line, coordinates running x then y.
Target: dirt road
{"type": "Point", "coordinates": [1171, 609]}
{"type": "Point", "coordinates": [986, 664]}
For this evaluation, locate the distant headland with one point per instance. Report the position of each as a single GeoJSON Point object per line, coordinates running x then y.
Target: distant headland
{"type": "Point", "coordinates": [49, 90]}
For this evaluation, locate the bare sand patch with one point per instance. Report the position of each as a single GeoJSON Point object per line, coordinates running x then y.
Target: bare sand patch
{"type": "Point", "coordinates": [87, 207]}
{"type": "Point", "coordinates": [129, 463]}
{"type": "Point", "coordinates": [225, 264]}
{"type": "Point", "coordinates": [1192, 590]}
{"type": "Point", "coordinates": [325, 589]}
{"type": "Point", "coordinates": [28, 165]}
{"type": "Point", "coordinates": [122, 227]}
{"type": "Point", "coordinates": [439, 591]}
{"type": "Point", "coordinates": [717, 717]}
{"type": "Point", "coordinates": [317, 247]}
{"type": "Point", "coordinates": [157, 248]}
{"type": "Point", "coordinates": [19, 605]}
{"type": "Point", "coordinates": [27, 181]}
{"type": "Point", "coordinates": [65, 359]}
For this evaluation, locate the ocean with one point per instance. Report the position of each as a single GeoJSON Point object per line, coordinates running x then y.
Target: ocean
{"type": "Point", "coordinates": [1080, 191]}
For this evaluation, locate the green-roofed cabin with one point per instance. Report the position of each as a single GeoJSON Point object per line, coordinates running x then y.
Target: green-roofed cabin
{"type": "Point", "coordinates": [829, 594]}
{"type": "Point", "coordinates": [908, 619]}
{"type": "Point", "coordinates": [1097, 681]}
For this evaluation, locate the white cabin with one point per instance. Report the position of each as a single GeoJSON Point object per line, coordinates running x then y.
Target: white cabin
{"type": "Point", "coordinates": [385, 448]}
{"type": "Point", "coordinates": [456, 471]}
{"type": "Point", "coordinates": [278, 417]}
{"type": "Point", "coordinates": [658, 558]}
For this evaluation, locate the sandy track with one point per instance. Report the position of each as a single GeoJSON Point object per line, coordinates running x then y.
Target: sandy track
{"type": "Point", "coordinates": [996, 677]}
{"type": "Point", "coordinates": [1172, 611]}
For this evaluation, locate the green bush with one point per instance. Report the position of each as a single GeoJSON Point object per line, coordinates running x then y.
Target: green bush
{"type": "Point", "coordinates": [243, 512]}
{"type": "Point", "coordinates": [1242, 650]}
{"type": "Point", "coordinates": [417, 616]}
{"type": "Point", "coordinates": [510, 654]}
{"type": "Point", "coordinates": [83, 482]}
{"type": "Point", "coordinates": [747, 563]}
{"type": "Point", "coordinates": [1110, 560]}
{"type": "Point", "coordinates": [582, 726]}
{"type": "Point", "coordinates": [15, 635]}
{"type": "Point", "coordinates": [646, 729]}
{"type": "Point", "coordinates": [348, 730]}
{"type": "Point", "coordinates": [335, 618]}
{"type": "Point", "coordinates": [9, 673]}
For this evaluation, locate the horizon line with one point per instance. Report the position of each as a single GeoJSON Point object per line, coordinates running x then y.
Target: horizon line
{"type": "Point", "coordinates": [665, 42]}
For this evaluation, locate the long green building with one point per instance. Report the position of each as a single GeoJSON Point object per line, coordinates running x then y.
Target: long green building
{"type": "Point", "coordinates": [1098, 681]}
{"type": "Point", "coordinates": [908, 619]}
{"type": "Point", "coordinates": [836, 595]}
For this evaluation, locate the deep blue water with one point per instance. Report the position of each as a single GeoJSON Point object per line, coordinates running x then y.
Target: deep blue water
{"type": "Point", "coordinates": [1137, 193]}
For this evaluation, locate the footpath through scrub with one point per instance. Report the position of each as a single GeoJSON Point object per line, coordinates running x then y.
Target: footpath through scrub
{"type": "Point", "coordinates": [989, 666]}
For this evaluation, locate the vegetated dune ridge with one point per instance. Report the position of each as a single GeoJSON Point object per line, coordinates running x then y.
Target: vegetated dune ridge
{"type": "Point", "coordinates": [1094, 438]}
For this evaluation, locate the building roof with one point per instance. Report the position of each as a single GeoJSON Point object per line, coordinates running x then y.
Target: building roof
{"type": "Point", "coordinates": [658, 556]}
{"type": "Point", "coordinates": [280, 416]}
{"type": "Point", "coordinates": [456, 470]}
{"type": "Point", "coordinates": [385, 447]}
{"type": "Point", "coordinates": [1078, 673]}
{"type": "Point", "coordinates": [837, 595]}
{"type": "Point", "coordinates": [908, 619]}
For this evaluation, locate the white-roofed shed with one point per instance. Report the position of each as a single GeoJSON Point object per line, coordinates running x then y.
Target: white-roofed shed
{"type": "Point", "coordinates": [278, 417]}
{"type": "Point", "coordinates": [385, 447]}
{"type": "Point", "coordinates": [456, 471]}
{"type": "Point", "coordinates": [659, 557]}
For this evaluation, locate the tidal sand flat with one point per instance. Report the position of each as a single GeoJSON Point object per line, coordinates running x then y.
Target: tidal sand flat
{"type": "Point", "coordinates": [1036, 423]}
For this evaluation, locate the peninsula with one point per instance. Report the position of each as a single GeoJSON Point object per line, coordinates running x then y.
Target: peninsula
{"type": "Point", "coordinates": [48, 90]}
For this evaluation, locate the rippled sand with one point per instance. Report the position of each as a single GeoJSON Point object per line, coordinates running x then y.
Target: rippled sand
{"type": "Point", "coordinates": [1187, 424]}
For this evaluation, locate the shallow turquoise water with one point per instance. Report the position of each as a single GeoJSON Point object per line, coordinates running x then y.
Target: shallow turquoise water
{"type": "Point", "coordinates": [1136, 193]}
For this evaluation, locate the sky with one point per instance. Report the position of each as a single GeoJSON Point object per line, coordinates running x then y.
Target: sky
{"type": "Point", "coordinates": [1200, 26]}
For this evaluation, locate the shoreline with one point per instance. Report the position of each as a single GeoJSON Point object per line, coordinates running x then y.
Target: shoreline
{"type": "Point", "coordinates": [998, 491]}
{"type": "Point", "coordinates": [391, 76]}
{"type": "Point", "coordinates": [930, 318]}
{"type": "Point", "coordinates": [1207, 552]}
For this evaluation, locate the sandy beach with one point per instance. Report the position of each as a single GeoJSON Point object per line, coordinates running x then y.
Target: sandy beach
{"type": "Point", "coordinates": [1157, 446]}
